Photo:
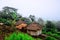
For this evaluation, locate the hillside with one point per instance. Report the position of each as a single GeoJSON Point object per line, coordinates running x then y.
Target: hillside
{"type": "Point", "coordinates": [16, 27]}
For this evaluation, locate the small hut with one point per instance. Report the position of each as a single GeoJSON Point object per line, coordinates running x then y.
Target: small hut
{"type": "Point", "coordinates": [34, 29]}
{"type": "Point", "coordinates": [20, 24]}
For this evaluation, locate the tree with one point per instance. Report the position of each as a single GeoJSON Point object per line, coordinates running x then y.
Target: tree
{"type": "Point", "coordinates": [9, 9]}
{"type": "Point", "coordinates": [58, 25]}
{"type": "Point", "coordinates": [40, 21]}
{"type": "Point", "coordinates": [27, 20]}
{"type": "Point", "coordinates": [50, 26]}
{"type": "Point", "coordinates": [19, 16]}
{"type": "Point", "coordinates": [32, 17]}
{"type": "Point", "coordinates": [8, 12]}
{"type": "Point", "coordinates": [0, 14]}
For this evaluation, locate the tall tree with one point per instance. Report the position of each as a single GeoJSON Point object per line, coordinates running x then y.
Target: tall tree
{"type": "Point", "coordinates": [9, 12]}
{"type": "Point", "coordinates": [50, 26]}
{"type": "Point", "coordinates": [40, 21]}
{"type": "Point", "coordinates": [27, 20]}
{"type": "Point", "coordinates": [9, 9]}
{"type": "Point", "coordinates": [0, 14]}
{"type": "Point", "coordinates": [32, 17]}
{"type": "Point", "coordinates": [58, 25]}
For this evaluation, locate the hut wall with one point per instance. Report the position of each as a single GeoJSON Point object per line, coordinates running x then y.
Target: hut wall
{"type": "Point", "coordinates": [34, 33]}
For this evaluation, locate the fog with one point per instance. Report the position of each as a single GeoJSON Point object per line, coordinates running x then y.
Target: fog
{"type": "Point", "coordinates": [45, 9]}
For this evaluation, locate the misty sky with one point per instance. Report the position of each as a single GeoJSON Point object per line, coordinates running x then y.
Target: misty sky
{"type": "Point", "coordinates": [45, 9]}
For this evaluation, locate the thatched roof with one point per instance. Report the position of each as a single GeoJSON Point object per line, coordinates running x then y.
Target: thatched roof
{"type": "Point", "coordinates": [34, 26]}
{"type": "Point", "coordinates": [19, 22]}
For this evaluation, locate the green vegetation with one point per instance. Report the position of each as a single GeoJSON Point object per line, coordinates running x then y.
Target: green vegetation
{"type": "Point", "coordinates": [27, 20]}
{"type": "Point", "coordinates": [50, 38]}
{"type": "Point", "coordinates": [50, 27]}
{"type": "Point", "coordinates": [19, 36]}
{"type": "Point", "coordinates": [51, 30]}
{"type": "Point", "coordinates": [10, 17]}
{"type": "Point", "coordinates": [55, 35]}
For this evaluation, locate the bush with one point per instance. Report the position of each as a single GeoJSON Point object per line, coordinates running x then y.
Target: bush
{"type": "Point", "coordinates": [55, 35]}
{"type": "Point", "coordinates": [2, 20]}
{"type": "Point", "coordinates": [19, 36]}
{"type": "Point", "coordinates": [8, 22]}
{"type": "Point", "coordinates": [49, 33]}
{"type": "Point", "coordinates": [50, 38]}
{"type": "Point", "coordinates": [58, 33]}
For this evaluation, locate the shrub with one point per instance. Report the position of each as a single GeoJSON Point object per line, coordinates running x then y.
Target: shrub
{"type": "Point", "coordinates": [50, 38]}
{"type": "Point", "coordinates": [58, 33]}
{"type": "Point", "coordinates": [49, 33]}
{"type": "Point", "coordinates": [8, 22]}
{"type": "Point", "coordinates": [55, 35]}
{"type": "Point", "coordinates": [2, 20]}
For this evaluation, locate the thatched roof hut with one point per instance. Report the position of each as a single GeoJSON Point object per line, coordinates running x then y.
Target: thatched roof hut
{"type": "Point", "coordinates": [20, 24]}
{"type": "Point", "coordinates": [34, 29]}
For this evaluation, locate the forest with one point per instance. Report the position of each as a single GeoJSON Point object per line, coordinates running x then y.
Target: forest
{"type": "Point", "coordinates": [13, 29]}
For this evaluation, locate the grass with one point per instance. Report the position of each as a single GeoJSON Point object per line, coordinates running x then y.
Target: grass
{"type": "Point", "coordinates": [19, 36]}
